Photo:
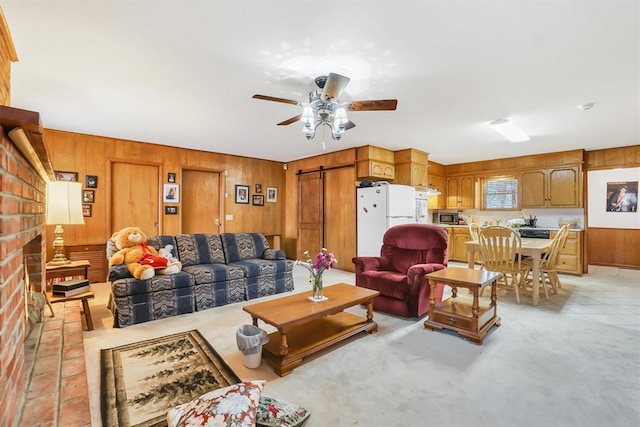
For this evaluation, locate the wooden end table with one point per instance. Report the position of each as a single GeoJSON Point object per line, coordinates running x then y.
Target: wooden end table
{"type": "Point", "coordinates": [471, 321]}
{"type": "Point", "coordinates": [306, 327]}
{"type": "Point", "coordinates": [84, 297]}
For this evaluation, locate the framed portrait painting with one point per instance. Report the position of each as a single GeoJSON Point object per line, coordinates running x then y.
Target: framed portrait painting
{"type": "Point", "coordinates": [272, 194]}
{"type": "Point", "coordinates": [66, 176]}
{"type": "Point", "coordinates": [88, 196]}
{"type": "Point", "coordinates": [258, 200]}
{"type": "Point", "coordinates": [171, 193]}
{"type": "Point", "coordinates": [242, 194]}
{"type": "Point", "coordinates": [91, 181]}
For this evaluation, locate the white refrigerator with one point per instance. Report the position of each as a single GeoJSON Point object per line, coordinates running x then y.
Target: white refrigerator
{"type": "Point", "coordinates": [379, 208]}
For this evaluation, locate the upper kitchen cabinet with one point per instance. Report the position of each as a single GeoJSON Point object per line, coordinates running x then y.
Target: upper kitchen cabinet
{"type": "Point", "coordinates": [460, 192]}
{"type": "Point", "coordinates": [375, 163]}
{"type": "Point", "coordinates": [439, 183]}
{"type": "Point", "coordinates": [551, 188]}
{"type": "Point", "coordinates": [411, 168]}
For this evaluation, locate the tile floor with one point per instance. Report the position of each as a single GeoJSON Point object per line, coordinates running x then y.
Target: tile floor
{"type": "Point", "coordinates": [58, 393]}
{"type": "Point", "coordinates": [60, 364]}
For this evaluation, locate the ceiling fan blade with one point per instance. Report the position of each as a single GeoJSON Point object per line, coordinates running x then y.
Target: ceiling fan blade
{"type": "Point", "coordinates": [349, 125]}
{"type": "Point", "coordinates": [291, 120]}
{"type": "Point", "coordinates": [372, 105]}
{"type": "Point", "coordinates": [273, 98]}
{"type": "Point", "coordinates": [333, 87]}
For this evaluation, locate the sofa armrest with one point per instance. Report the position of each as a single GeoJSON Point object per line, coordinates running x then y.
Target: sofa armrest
{"type": "Point", "coordinates": [364, 263]}
{"type": "Point", "coordinates": [416, 272]}
{"type": "Point", "coordinates": [274, 254]}
{"type": "Point", "coordinates": [116, 272]}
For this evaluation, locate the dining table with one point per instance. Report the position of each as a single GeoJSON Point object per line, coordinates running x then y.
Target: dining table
{"type": "Point", "coordinates": [530, 247]}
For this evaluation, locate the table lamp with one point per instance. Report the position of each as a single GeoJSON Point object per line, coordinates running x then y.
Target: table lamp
{"type": "Point", "coordinates": [64, 206]}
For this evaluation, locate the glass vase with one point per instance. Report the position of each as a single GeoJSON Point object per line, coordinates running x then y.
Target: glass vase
{"type": "Point", "coordinates": [316, 283]}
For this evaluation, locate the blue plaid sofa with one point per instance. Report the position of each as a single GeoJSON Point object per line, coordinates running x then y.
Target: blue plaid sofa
{"type": "Point", "coordinates": [217, 269]}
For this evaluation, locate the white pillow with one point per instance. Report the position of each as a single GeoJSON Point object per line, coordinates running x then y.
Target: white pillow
{"type": "Point", "coordinates": [235, 405]}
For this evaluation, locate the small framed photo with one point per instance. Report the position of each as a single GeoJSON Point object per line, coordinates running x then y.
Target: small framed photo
{"type": "Point", "coordinates": [242, 194]}
{"type": "Point", "coordinates": [66, 176]}
{"type": "Point", "coordinates": [258, 188]}
{"type": "Point", "coordinates": [91, 181]}
{"type": "Point", "coordinates": [258, 200]}
{"type": "Point", "coordinates": [86, 210]}
{"type": "Point", "coordinates": [272, 194]}
{"type": "Point", "coordinates": [171, 177]}
{"type": "Point", "coordinates": [171, 210]}
{"type": "Point", "coordinates": [171, 193]}
{"type": "Point", "coordinates": [88, 196]}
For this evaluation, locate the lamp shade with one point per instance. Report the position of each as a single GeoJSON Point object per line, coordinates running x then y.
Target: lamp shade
{"type": "Point", "coordinates": [64, 203]}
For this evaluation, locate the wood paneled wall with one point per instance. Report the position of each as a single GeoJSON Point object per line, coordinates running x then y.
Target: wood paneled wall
{"type": "Point", "coordinates": [573, 157]}
{"type": "Point", "coordinates": [614, 246]}
{"type": "Point", "coordinates": [612, 158]}
{"type": "Point", "coordinates": [91, 155]}
{"type": "Point", "coordinates": [345, 237]}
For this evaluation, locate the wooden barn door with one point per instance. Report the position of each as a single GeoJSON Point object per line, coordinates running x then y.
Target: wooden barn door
{"type": "Point", "coordinates": [201, 203]}
{"type": "Point", "coordinates": [135, 195]}
{"type": "Point", "coordinates": [310, 213]}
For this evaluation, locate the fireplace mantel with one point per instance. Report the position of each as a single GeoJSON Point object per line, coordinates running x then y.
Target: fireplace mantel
{"type": "Point", "coordinates": [34, 149]}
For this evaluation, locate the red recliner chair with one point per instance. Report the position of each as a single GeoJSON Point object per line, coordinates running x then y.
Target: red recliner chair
{"type": "Point", "coordinates": [408, 252]}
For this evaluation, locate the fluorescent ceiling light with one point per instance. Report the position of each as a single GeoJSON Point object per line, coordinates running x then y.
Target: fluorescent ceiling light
{"type": "Point", "coordinates": [509, 130]}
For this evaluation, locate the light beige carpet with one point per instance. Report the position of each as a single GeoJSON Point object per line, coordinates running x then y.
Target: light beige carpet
{"type": "Point", "coordinates": [548, 365]}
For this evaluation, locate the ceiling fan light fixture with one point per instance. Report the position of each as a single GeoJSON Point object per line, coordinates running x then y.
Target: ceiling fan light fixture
{"type": "Point", "coordinates": [341, 118]}
{"type": "Point", "coordinates": [509, 130]}
{"type": "Point", "coordinates": [307, 116]}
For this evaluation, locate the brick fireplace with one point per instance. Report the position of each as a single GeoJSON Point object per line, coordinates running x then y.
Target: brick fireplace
{"type": "Point", "coordinates": [23, 175]}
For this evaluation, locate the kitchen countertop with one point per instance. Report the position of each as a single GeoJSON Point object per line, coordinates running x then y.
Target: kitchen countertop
{"type": "Point", "coordinates": [523, 228]}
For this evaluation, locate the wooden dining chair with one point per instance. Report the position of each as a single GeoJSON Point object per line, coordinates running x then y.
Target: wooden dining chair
{"type": "Point", "coordinates": [549, 264]}
{"type": "Point", "coordinates": [474, 231]}
{"type": "Point", "coordinates": [500, 250]}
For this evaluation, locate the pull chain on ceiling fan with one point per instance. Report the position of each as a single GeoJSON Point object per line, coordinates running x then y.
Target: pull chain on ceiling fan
{"type": "Point", "coordinates": [324, 107]}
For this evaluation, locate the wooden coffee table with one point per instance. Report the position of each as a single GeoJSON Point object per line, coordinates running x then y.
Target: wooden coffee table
{"type": "Point", "coordinates": [306, 327]}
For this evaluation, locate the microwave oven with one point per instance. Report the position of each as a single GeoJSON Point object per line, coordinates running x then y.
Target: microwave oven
{"type": "Point", "coordinates": [448, 218]}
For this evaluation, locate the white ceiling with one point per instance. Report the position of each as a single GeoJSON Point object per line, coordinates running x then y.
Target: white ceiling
{"type": "Point", "coordinates": [182, 73]}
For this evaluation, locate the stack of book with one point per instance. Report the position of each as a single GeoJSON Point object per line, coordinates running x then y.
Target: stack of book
{"type": "Point", "coordinates": [69, 288]}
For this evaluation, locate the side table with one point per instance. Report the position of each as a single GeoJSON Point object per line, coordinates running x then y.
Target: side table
{"type": "Point", "coordinates": [84, 297]}
{"type": "Point", "coordinates": [471, 321]}
{"type": "Point", "coordinates": [65, 270]}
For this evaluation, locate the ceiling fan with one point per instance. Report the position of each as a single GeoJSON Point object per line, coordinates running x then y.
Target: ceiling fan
{"type": "Point", "coordinates": [325, 108]}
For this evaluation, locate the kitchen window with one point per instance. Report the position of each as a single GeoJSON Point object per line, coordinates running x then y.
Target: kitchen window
{"type": "Point", "coordinates": [499, 193]}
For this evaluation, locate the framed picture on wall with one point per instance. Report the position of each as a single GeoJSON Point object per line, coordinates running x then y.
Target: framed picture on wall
{"type": "Point", "coordinates": [242, 194]}
{"type": "Point", "coordinates": [622, 196]}
{"type": "Point", "coordinates": [258, 188]}
{"type": "Point", "coordinates": [171, 210]}
{"type": "Point", "coordinates": [272, 194]}
{"type": "Point", "coordinates": [91, 181]}
{"type": "Point", "coordinates": [88, 196]}
{"type": "Point", "coordinates": [66, 176]}
{"type": "Point", "coordinates": [171, 193]}
{"type": "Point", "coordinates": [86, 210]}
{"type": "Point", "coordinates": [171, 177]}
{"type": "Point", "coordinates": [258, 200]}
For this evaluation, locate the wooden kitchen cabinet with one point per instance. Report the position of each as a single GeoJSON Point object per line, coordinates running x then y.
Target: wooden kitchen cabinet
{"type": "Point", "coordinates": [550, 188]}
{"type": "Point", "coordinates": [460, 192]}
{"type": "Point", "coordinates": [411, 168]}
{"type": "Point", "coordinates": [457, 248]}
{"type": "Point", "coordinates": [440, 184]}
{"type": "Point", "coordinates": [570, 258]}
{"type": "Point", "coordinates": [375, 163]}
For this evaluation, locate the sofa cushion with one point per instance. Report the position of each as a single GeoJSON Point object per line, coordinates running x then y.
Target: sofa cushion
{"type": "Point", "coordinates": [262, 267]}
{"type": "Point", "coordinates": [159, 282]}
{"type": "Point", "coordinates": [194, 249]}
{"type": "Point", "coordinates": [234, 405]}
{"type": "Point", "coordinates": [277, 413]}
{"type": "Point", "coordinates": [211, 273]}
{"type": "Point", "coordinates": [243, 246]}
{"type": "Point", "coordinates": [389, 283]}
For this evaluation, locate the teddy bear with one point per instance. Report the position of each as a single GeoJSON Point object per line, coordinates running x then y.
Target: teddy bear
{"type": "Point", "coordinates": [141, 260]}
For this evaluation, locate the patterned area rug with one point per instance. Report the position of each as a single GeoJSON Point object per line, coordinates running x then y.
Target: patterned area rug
{"type": "Point", "coordinates": [140, 382]}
